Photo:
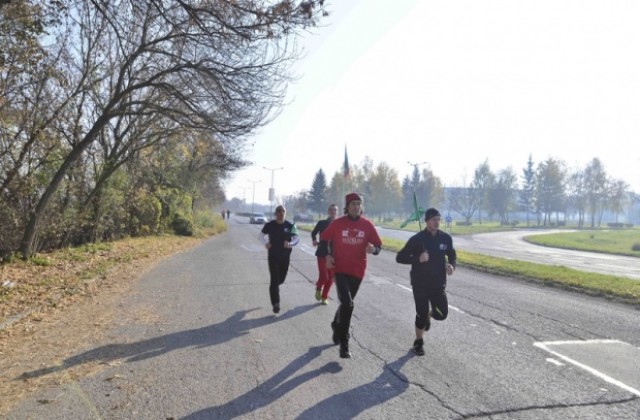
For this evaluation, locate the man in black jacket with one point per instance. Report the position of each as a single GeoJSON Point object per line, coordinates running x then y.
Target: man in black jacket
{"type": "Point", "coordinates": [432, 257]}
{"type": "Point", "coordinates": [278, 236]}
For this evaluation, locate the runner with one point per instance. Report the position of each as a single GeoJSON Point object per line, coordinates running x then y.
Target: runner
{"type": "Point", "coordinates": [325, 275]}
{"type": "Point", "coordinates": [278, 236]}
{"type": "Point", "coordinates": [350, 238]}
{"type": "Point", "coordinates": [426, 252]}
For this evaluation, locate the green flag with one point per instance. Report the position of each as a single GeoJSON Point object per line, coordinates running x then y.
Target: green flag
{"type": "Point", "coordinates": [416, 215]}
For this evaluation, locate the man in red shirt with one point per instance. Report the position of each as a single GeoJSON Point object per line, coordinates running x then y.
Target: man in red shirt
{"type": "Point", "coordinates": [350, 238]}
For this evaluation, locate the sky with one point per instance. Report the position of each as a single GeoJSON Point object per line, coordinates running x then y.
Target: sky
{"type": "Point", "coordinates": [449, 84]}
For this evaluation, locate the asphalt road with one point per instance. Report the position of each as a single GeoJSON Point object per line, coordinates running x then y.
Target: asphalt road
{"type": "Point", "coordinates": [208, 347]}
{"type": "Point", "coordinates": [511, 245]}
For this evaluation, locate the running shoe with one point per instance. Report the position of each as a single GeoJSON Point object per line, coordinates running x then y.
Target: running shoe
{"type": "Point", "coordinates": [344, 350]}
{"type": "Point", "coordinates": [418, 347]}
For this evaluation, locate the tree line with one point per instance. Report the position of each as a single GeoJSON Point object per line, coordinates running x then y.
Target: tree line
{"type": "Point", "coordinates": [123, 117]}
{"type": "Point", "coordinates": [546, 193]}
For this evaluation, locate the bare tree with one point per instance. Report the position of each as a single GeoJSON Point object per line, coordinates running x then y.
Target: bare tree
{"type": "Point", "coordinates": [464, 200]}
{"type": "Point", "coordinates": [215, 66]}
{"type": "Point", "coordinates": [502, 194]}
{"type": "Point", "coordinates": [617, 196]}
{"type": "Point", "coordinates": [577, 194]}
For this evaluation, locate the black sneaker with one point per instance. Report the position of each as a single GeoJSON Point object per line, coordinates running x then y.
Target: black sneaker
{"type": "Point", "coordinates": [276, 308]}
{"type": "Point", "coordinates": [334, 337]}
{"type": "Point", "coordinates": [418, 347]}
{"type": "Point", "coordinates": [344, 350]}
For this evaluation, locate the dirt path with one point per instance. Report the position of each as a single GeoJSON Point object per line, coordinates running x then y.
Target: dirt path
{"type": "Point", "coordinates": [53, 324]}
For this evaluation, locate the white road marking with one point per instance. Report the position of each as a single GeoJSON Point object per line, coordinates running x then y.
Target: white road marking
{"type": "Point", "coordinates": [308, 249]}
{"type": "Point", "coordinates": [554, 361]}
{"type": "Point", "coordinates": [595, 372]}
{"type": "Point", "coordinates": [405, 287]}
{"type": "Point", "coordinates": [253, 248]}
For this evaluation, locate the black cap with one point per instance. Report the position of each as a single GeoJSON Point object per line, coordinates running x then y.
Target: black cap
{"type": "Point", "coordinates": [432, 212]}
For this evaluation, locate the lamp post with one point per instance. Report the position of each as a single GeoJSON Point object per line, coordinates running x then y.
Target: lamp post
{"type": "Point", "coordinates": [272, 191]}
{"type": "Point", "coordinates": [253, 198]}
{"type": "Point", "coordinates": [244, 198]}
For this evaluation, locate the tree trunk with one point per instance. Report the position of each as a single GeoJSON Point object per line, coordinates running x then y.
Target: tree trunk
{"type": "Point", "coordinates": [31, 231]}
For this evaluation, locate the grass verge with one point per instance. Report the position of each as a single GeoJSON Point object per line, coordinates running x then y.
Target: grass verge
{"type": "Point", "coordinates": [613, 287]}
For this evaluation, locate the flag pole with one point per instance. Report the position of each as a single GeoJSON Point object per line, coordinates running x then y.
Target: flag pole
{"type": "Point", "coordinates": [415, 206]}
{"type": "Point", "coordinates": [345, 172]}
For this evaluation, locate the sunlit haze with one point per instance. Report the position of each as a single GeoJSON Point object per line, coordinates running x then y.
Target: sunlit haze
{"type": "Point", "coordinates": [453, 83]}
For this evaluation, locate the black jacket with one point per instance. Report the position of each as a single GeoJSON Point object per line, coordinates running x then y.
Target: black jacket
{"type": "Point", "coordinates": [440, 249]}
{"type": "Point", "coordinates": [322, 249]}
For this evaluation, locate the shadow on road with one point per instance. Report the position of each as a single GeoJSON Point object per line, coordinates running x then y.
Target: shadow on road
{"type": "Point", "coordinates": [389, 384]}
{"type": "Point", "coordinates": [347, 405]}
{"type": "Point", "coordinates": [233, 327]}
{"type": "Point", "coordinates": [270, 390]}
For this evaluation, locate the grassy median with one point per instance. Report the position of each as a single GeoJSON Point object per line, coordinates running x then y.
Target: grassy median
{"type": "Point", "coordinates": [619, 288]}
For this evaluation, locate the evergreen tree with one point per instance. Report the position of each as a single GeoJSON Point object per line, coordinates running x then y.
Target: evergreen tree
{"type": "Point", "coordinates": [317, 194]}
{"type": "Point", "coordinates": [528, 188]}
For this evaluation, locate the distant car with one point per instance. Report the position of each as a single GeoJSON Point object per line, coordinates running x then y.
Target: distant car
{"type": "Point", "coordinates": [301, 217]}
{"type": "Point", "coordinates": [258, 219]}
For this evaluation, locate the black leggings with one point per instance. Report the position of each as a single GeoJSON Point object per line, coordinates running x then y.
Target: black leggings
{"type": "Point", "coordinates": [278, 268]}
{"type": "Point", "coordinates": [347, 287]}
{"type": "Point", "coordinates": [429, 299]}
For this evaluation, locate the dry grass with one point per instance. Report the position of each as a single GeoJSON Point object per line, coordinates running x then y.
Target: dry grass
{"type": "Point", "coordinates": [64, 301]}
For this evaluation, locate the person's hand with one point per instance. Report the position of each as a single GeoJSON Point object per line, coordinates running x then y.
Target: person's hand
{"type": "Point", "coordinates": [424, 257]}
{"type": "Point", "coordinates": [450, 269]}
{"type": "Point", "coordinates": [370, 248]}
{"type": "Point", "coordinates": [267, 245]}
{"type": "Point", "coordinates": [330, 261]}
{"type": "Point", "coordinates": [315, 243]}
{"type": "Point", "coordinates": [287, 244]}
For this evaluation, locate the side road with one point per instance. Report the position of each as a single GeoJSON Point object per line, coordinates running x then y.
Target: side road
{"type": "Point", "coordinates": [512, 246]}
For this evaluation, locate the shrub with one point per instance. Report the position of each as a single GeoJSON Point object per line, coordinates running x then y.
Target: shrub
{"type": "Point", "coordinates": [463, 223]}
{"type": "Point", "coordinates": [635, 247]}
{"type": "Point", "coordinates": [181, 225]}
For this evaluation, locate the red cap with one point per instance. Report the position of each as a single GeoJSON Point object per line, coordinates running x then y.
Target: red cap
{"type": "Point", "coordinates": [352, 197]}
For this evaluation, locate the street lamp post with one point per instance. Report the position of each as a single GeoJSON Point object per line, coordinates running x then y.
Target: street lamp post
{"type": "Point", "coordinates": [253, 198]}
{"type": "Point", "coordinates": [415, 168]}
{"type": "Point", "coordinates": [272, 192]}
{"type": "Point", "coordinates": [244, 198]}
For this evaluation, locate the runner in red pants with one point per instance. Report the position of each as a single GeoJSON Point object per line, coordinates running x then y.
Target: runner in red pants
{"type": "Point", "coordinates": [325, 275]}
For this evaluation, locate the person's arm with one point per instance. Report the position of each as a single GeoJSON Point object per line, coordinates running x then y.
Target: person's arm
{"type": "Point", "coordinates": [295, 238]}
{"type": "Point", "coordinates": [325, 237]}
{"type": "Point", "coordinates": [409, 254]}
{"type": "Point", "coordinates": [263, 237]}
{"type": "Point", "coordinates": [451, 258]}
{"type": "Point", "coordinates": [375, 242]}
{"type": "Point", "coordinates": [314, 233]}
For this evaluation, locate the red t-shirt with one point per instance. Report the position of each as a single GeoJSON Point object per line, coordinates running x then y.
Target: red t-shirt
{"type": "Point", "coordinates": [348, 241]}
